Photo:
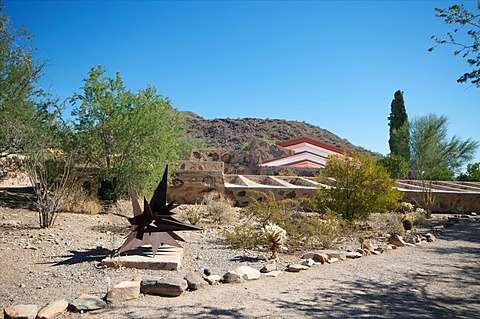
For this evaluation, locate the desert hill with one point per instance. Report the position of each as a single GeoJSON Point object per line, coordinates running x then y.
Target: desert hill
{"type": "Point", "coordinates": [234, 133]}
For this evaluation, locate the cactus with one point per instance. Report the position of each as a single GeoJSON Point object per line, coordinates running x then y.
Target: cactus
{"type": "Point", "coordinates": [275, 237]}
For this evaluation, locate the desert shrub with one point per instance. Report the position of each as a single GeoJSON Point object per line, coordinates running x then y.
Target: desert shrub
{"type": "Point", "coordinates": [360, 187]}
{"type": "Point", "coordinates": [219, 208]}
{"type": "Point", "coordinates": [80, 200]}
{"type": "Point", "coordinates": [384, 224]}
{"type": "Point", "coordinates": [303, 229]}
{"type": "Point", "coordinates": [325, 231]}
{"type": "Point", "coordinates": [244, 236]}
{"type": "Point", "coordinates": [194, 213]}
{"type": "Point", "coordinates": [287, 172]}
{"type": "Point", "coordinates": [419, 217]}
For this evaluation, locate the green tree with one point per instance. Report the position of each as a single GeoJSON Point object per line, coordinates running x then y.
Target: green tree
{"type": "Point", "coordinates": [467, 23]}
{"type": "Point", "coordinates": [19, 74]}
{"type": "Point", "coordinates": [128, 136]}
{"type": "Point", "coordinates": [472, 174]}
{"type": "Point", "coordinates": [395, 165]}
{"type": "Point", "coordinates": [433, 155]}
{"type": "Point", "coordinates": [358, 187]}
{"type": "Point", "coordinates": [398, 122]}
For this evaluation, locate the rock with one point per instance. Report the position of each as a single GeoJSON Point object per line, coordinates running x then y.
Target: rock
{"type": "Point", "coordinates": [21, 312]}
{"type": "Point", "coordinates": [454, 220]}
{"type": "Point", "coordinates": [430, 237]}
{"type": "Point", "coordinates": [438, 229]}
{"type": "Point", "coordinates": [367, 244]}
{"type": "Point", "coordinates": [396, 240]}
{"type": "Point", "coordinates": [207, 272]}
{"type": "Point", "coordinates": [247, 273]}
{"type": "Point", "coordinates": [126, 290]}
{"type": "Point", "coordinates": [337, 254]}
{"type": "Point", "coordinates": [333, 260]}
{"type": "Point", "coordinates": [308, 262]}
{"type": "Point", "coordinates": [53, 309]}
{"type": "Point", "coordinates": [409, 245]}
{"type": "Point", "coordinates": [268, 267]}
{"type": "Point", "coordinates": [232, 277]}
{"type": "Point", "coordinates": [194, 281]}
{"type": "Point", "coordinates": [473, 213]}
{"type": "Point", "coordinates": [87, 303]}
{"type": "Point", "coordinates": [353, 255]}
{"type": "Point", "coordinates": [274, 273]}
{"type": "Point", "coordinates": [318, 257]}
{"type": "Point", "coordinates": [296, 268]}
{"type": "Point", "coordinates": [364, 252]}
{"type": "Point", "coordinates": [170, 287]}
{"type": "Point", "coordinates": [213, 279]}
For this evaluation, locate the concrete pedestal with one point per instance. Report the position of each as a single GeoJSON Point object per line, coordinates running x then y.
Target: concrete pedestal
{"type": "Point", "coordinates": [167, 258]}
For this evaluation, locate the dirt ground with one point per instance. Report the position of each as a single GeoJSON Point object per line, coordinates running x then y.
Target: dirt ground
{"type": "Point", "coordinates": [434, 280]}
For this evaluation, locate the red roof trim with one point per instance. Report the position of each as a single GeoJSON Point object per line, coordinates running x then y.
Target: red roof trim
{"type": "Point", "coordinates": [305, 139]}
{"type": "Point", "coordinates": [295, 155]}
{"type": "Point", "coordinates": [302, 161]}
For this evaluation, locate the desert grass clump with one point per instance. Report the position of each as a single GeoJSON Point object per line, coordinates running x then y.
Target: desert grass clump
{"type": "Point", "coordinates": [81, 201]}
{"type": "Point", "coordinates": [275, 238]}
{"type": "Point", "coordinates": [219, 208]}
{"type": "Point", "coordinates": [194, 213]}
{"type": "Point", "coordinates": [387, 224]}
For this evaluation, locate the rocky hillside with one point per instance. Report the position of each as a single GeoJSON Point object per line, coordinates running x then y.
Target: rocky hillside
{"type": "Point", "coordinates": [234, 133]}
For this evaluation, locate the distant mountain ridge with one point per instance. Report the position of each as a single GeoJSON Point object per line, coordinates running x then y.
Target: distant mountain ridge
{"type": "Point", "coordinates": [234, 133]}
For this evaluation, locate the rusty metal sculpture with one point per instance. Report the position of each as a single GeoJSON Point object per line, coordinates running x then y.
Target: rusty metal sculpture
{"type": "Point", "coordinates": [154, 225]}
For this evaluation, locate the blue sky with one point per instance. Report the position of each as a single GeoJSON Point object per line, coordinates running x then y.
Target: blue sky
{"type": "Point", "coordinates": [335, 64]}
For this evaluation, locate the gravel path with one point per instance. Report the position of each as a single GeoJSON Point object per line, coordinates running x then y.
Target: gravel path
{"type": "Point", "coordinates": [434, 280]}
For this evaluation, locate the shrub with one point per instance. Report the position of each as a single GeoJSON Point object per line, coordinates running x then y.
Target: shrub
{"type": "Point", "coordinates": [384, 224]}
{"type": "Point", "coordinates": [219, 208]}
{"type": "Point", "coordinates": [287, 172]}
{"type": "Point", "coordinates": [359, 187]}
{"type": "Point", "coordinates": [303, 229]}
{"type": "Point", "coordinates": [194, 213]}
{"type": "Point", "coordinates": [79, 200]}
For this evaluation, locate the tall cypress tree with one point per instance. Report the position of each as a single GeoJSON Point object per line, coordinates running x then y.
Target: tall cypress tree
{"type": "Point", "coordinates": [399, 128]}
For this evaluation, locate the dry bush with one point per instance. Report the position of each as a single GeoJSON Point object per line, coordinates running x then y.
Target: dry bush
{"type": "Point", "coordinates": [219, 208]}
{"type": "Point", "coordinates": [194, 214]}
{"type": "Point", "coordinates": [419, 217]}
{"type": "Point", "coordinates": [78, 200]}
{"type": "Point", "coordinates": [244, 236]}
{"type": "Point", "coordinates": [390, 223]}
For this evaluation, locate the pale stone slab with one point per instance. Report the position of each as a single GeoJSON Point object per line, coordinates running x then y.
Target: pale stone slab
{"type": "Point", "coordinates": [53, 309]}
{"type": "Point", "coordinates": [247, 273]}
{"type": "Point", "coordinates": [167, 258]}
{"type": "Point", "coordinates": [21, 312]}
{"type": "Point", "coordinates": [126, 290]}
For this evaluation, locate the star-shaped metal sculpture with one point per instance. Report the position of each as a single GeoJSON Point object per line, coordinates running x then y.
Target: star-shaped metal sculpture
{"type": "Point", "coordinates": [154, 225]}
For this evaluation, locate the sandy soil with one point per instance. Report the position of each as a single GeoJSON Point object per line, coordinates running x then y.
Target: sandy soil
{"type": "Point", "coordinates": [434, 280]}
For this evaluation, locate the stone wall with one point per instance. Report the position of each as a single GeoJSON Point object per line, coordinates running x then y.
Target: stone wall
{"type": "Point", "coordinates": [189, 187]}
{"type": "Point", "coordinates": [446, 202]}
